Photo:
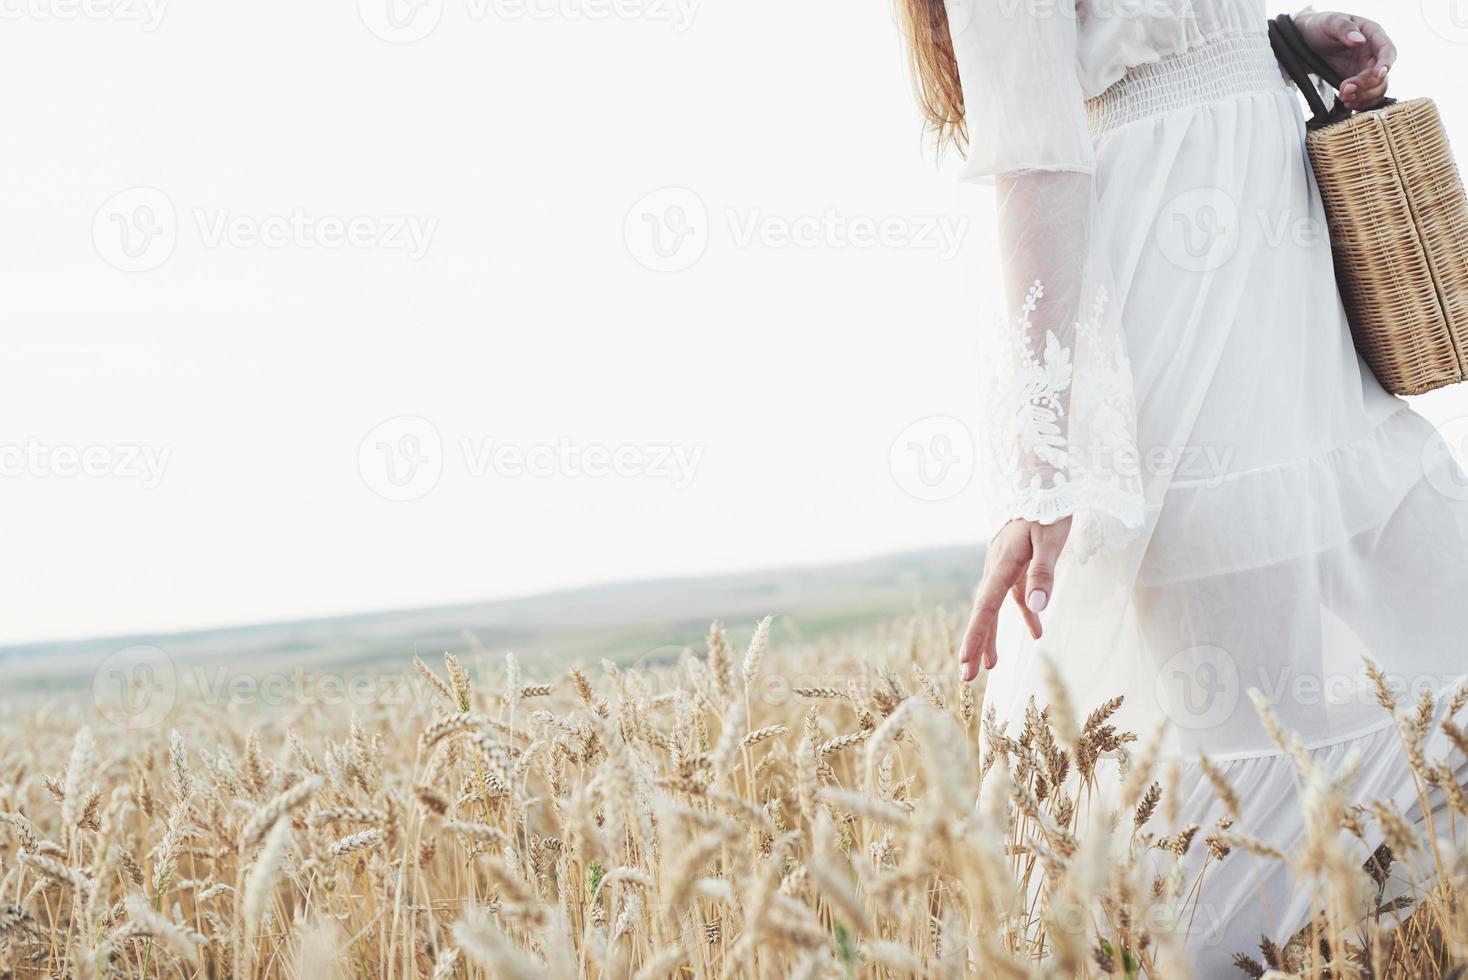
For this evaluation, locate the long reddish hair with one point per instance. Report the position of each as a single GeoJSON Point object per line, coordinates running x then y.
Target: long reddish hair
{"type": "Point", "coordinates": [934, 70]}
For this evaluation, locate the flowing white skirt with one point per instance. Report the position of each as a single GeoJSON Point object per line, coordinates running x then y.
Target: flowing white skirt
{"type": "Point", "coordinates": [1299, 517]}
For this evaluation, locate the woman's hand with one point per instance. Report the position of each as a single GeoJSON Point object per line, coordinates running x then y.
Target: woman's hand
{"type": "Point", "coordinates": [1354, 46]}
{"type": "Point", "coordinates": [1020, 562]}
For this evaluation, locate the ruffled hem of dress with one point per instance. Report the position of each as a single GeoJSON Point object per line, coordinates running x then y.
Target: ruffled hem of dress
{"type": "Point", "coordinates": [1365, 737]}
{"type": "Point", "coordinates": [1272, 794]}
{"type": "Point", "coordinates": [1338, 494]}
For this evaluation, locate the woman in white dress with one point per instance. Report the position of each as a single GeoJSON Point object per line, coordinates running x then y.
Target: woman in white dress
{"type": "Point", "coordinates": [1198, 488]}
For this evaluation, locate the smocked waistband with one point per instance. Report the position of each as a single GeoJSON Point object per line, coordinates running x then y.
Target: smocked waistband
{"type": "Point", "coordinates": [1225, 66]}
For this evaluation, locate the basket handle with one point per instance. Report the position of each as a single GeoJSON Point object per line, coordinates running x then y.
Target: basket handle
{"type": "Point", "coordinates": [1300, 61]}
{"type": "Point", "coordinates": [1316, 65]}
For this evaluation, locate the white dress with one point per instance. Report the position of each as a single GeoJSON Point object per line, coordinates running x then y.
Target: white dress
{"type": "Point", "coordinates": [1252, 509]}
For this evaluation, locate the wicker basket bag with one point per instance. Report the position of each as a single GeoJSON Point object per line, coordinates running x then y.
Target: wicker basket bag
{"type": "Point", "coordinates": [1398, 225]}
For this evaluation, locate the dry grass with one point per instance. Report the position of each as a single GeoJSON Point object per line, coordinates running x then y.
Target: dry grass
{"type": "Point", "coordinates": [706, 821]}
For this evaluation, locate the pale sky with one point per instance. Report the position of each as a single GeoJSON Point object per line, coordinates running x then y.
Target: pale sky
{"type": "Point", "coordinates": [306, 313]}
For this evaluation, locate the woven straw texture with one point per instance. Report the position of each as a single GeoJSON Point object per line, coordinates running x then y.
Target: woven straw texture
{"type": "Point", "coordinates": [1399, 230]}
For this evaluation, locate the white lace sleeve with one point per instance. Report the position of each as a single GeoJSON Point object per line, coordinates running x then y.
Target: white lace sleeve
{"type": "Point", "coordinates": [1060, 409]}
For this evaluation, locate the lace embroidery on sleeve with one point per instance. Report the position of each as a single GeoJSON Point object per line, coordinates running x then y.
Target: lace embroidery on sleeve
{"type": "Point", "coordinates": [1070, 445]}
{"type": "Point", "coordinates": [1044, 383]}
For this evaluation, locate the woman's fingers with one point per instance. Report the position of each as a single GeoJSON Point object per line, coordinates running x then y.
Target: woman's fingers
{"type": "Point", "coordinates": [978, 642]}
{"type": "Point", "coordinates": [1021, 562]}
{"type": "Point", "coordinates": [1363, 96]}
{"type": "Point", "coordinates": [1032, 619]}
{"type": "Point", "coordinates": [1046, 544]}
{"type": "Point", "coordinates": [1373, 79]}
{"type": "Point", "coordinates": [1004, 567]}
{"type": "Point", "coordinates": [1368, 86]}
{"type": "Point", "coordinates": [1364, 90]}
{"type": "Point", "coordinates": [1040, 583]}
{"type": "Point", "coordinates": [1383, 51]}
{"type": "Point", "coordinates": [1344, 28]}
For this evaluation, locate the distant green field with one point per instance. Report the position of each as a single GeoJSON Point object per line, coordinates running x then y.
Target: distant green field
{"type": "Point", "coordinates": [621, 623]}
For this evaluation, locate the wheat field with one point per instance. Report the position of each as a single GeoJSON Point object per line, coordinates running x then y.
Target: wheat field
{"type": "Point", "coordinates": [839, 809]}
